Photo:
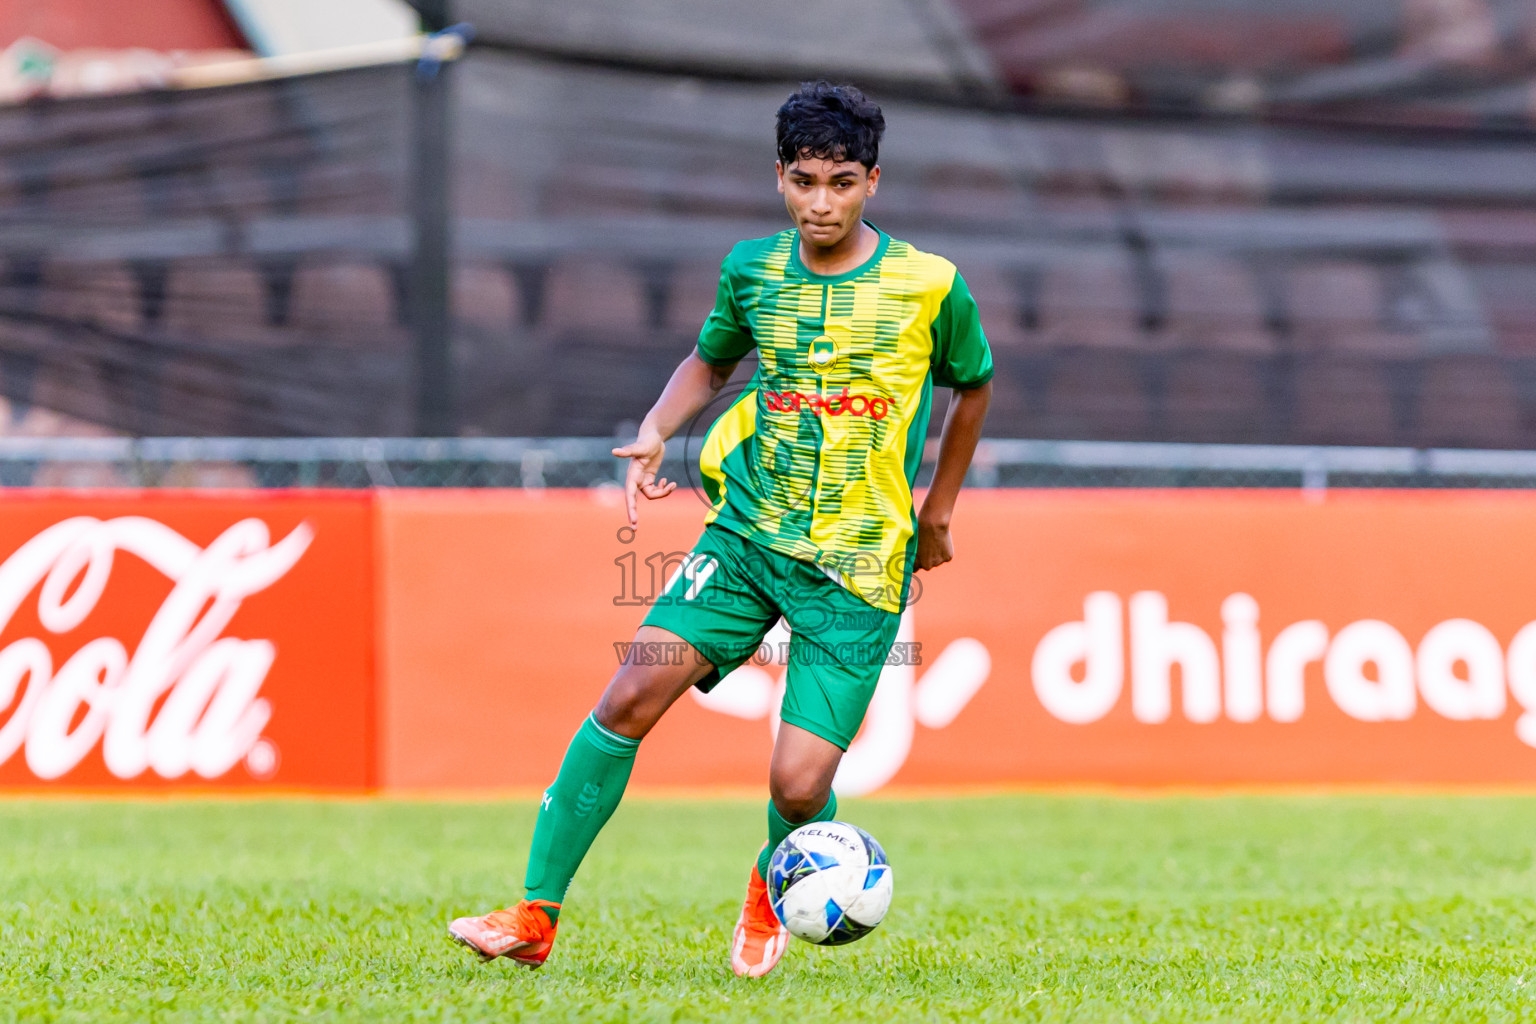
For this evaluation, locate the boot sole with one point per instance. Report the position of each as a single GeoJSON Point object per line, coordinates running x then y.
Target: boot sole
{"type": "Point", "coordinates": [486, 958]}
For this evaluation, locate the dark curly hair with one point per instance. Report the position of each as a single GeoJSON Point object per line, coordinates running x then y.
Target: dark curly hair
{"type": "Point", "coordinates": [830, 122]}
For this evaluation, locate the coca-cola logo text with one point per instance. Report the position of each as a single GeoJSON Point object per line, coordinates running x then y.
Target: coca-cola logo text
{"type": "Point", "coordinates": [186, 699]}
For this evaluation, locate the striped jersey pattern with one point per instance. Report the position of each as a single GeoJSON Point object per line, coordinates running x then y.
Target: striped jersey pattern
{"type": "Point", "coordinates": [816, 458]}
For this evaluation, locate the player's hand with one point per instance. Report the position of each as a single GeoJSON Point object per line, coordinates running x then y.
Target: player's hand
{"type": "Point", "coordinates": [644, 455]}
{"type": "Point", "coordinates": [934, 546]}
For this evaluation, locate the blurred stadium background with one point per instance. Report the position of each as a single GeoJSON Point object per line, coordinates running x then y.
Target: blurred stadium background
{"type": "Point", "coordinates": [1260, 282]}
{"type": "Point", "coordinates": [1294, 223]}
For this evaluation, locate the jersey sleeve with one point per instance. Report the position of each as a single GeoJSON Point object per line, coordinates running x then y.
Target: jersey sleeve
{"type": "Point", "coordinates": [961, 356]}
{"type": "Point", "coordinates": [725, 336]}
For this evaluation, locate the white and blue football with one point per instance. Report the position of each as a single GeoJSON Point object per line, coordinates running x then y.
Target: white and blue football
{"type": "Point", "coordinates": [829, 883]}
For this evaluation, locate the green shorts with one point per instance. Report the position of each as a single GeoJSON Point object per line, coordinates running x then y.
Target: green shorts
{"type": "Point", "coordinates": [727, 594]}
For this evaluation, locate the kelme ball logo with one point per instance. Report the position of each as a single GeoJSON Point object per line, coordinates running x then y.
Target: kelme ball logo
{"type": "Point", "coordinates": [823, 354]}
{"type": "Point", "coordinates": [829, 883]}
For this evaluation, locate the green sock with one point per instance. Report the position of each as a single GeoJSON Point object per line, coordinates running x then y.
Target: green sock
{"type": "Point", "coordinates": [778, 828]}
{"type": "Point", "coordinates": [575, 808]}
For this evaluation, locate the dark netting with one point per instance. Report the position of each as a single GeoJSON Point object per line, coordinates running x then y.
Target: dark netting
{"type": "Point", "coordinates": [1416, 62]}
{"type": "Point", "coordinates": [236, 261]}
{"type": "Point", "coordinates": [1449, 62]}
{"type": "Point", "coordinates": [220, 261]}
{"type": "Point", "coordinates": [1183, 279]}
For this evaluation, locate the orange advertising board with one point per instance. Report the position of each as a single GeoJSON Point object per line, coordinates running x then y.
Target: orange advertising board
{"type": "Point", "coordinates": [499, 614]}
{"type": "Point", "coordinates": [158, 639]}
{"type": "Point", "coordinates": [414, 640]}
{"type": "Point", "coordinates": [1135, 637]}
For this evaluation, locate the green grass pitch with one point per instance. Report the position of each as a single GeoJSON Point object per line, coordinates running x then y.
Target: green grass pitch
{"type": "Point", "coordinates": [1036, 907]}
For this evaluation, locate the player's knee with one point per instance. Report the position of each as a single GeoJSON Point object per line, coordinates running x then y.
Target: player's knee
{"type": "Point", "coordinates": [631, 704]}
{"type": "Point", "coordinates": [798, 799]}
{"type": "Point", "coordinates": [624, 706]}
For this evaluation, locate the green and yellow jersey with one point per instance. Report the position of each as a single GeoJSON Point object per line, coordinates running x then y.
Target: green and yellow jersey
{"type": "Point", "coordinates": [817, 457]}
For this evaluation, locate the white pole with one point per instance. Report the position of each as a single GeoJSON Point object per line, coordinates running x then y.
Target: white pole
{"type": "Point", "coordinates": [256, 69]}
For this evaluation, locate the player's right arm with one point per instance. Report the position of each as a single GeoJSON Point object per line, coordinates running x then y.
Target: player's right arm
{"type": "Point", "coordinates": [724, 339]}
{"type": "Point", "coordinates": [693, 384]}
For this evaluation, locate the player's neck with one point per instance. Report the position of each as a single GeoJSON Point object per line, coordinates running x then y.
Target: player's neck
{"type": "Point", "coordinates": [846, 254]}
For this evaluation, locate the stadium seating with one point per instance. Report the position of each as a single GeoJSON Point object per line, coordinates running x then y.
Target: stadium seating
{"type": "Point", "coordinates": [584, 294]}
{"type": "Point", "coordinates": [101, 294]}
{"type": "Point", "coordinates": [1506, 290]}
{"type": "Point", "coordinates": [1341, 307]}
{"type": "Point", "coordinates": [55, 389]}
{"type": "Point", "coordinates": [485, 189]}
{"type": "Point", "coordinates": [1468, 401]}
{"type": "Point", "coordinates": [1215, 396]}
{"type": "Point", "coordinates": [18, 419]}
{"type": "Point", "coordinates": [1214, 303]}
{"type": "Point", "coordinates": [216, 301]}
{"type": "Point", "coordinates": [570, 389]}
{"type": "Point", "coordinates": [1342, 401]}
{"type": "Point", "coordinates": [485, 299]}
{"type": "Point", "coordinates": [1092, 302]}
{"type": "Point", "coordinates": [351, 300]}
{"type": "Point", "coordinates": [1096, 394]}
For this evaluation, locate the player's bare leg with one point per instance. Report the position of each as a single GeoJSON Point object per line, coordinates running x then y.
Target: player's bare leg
{"type": "Point", "coordinates": [638, 695]}
{"type": "Point", "coordinates": [575, 808]}
{"type": "Point", "coordinates": [800, 783]}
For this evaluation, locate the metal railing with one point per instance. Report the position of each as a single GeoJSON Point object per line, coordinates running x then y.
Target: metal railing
{"type": "Point", "coordinates": [1008, 463]}
{"type": "Point", "coordinates": [214, 462]}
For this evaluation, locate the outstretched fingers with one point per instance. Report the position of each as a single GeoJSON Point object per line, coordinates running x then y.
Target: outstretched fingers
{"type": "Point", "coordinates": [632, 483]}
{"type": "Point", "coordinates": [639, 481]}
{"type": "Point", "coordinates": [658, 488]}
{"type": "Point", "coordinates": [644, 455]}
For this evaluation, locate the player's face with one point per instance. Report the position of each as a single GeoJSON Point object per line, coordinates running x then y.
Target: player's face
{"type": "Point", "coordinates": [826, 197]}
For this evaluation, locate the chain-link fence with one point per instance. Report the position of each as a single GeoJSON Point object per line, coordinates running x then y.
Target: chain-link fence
{"type": "Point", "coordinates": [211, 462]}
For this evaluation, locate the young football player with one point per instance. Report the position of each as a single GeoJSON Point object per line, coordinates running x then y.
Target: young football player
{"type": "Point", "coordinates": [809, 474]}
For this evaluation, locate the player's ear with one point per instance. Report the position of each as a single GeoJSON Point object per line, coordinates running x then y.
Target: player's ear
{"type": "Point", "coordinates": [778, 168]}
{"type": "Point", "coordinates": [874, 180]}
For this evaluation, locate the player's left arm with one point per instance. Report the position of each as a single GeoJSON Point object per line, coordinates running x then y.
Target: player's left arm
{"type": "Point", "coordinates": [962, 360]}
{"type": "Point", "coordinates": [962, 430]}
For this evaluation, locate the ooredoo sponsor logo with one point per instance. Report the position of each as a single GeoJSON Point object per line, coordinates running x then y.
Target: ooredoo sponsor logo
{"type": "Point", "coordinates": [1370, 670]}
{"type": "Point", "coordinates": [836, 404]}
{"type": "Point", "coordinates": [186, 699]}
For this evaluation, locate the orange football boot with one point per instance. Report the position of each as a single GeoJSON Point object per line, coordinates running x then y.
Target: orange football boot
{"type": "Point", "coordinates": [758, 940]}
{"type": "Point", "coordinates": [523, 933]}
